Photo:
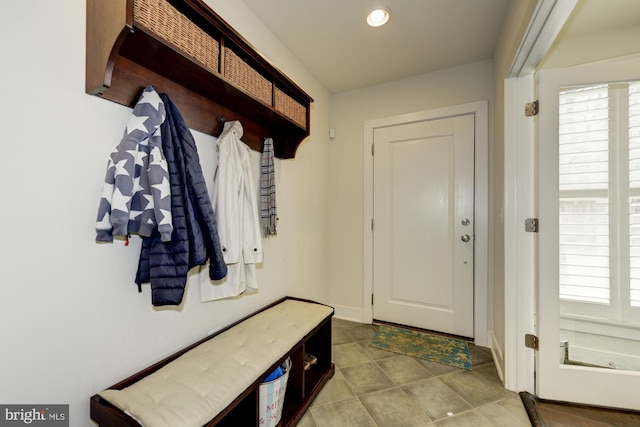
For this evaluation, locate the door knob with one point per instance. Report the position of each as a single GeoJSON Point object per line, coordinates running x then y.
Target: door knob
{"type": "Point", "coordinates": [465, 238]}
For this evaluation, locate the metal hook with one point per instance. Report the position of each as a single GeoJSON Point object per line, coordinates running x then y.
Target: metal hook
{"type": "Point", "coordinates": [222, 119]}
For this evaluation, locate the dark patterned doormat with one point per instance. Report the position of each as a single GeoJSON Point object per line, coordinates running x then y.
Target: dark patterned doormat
{"type": "Point", "coordinates": [435, 348]}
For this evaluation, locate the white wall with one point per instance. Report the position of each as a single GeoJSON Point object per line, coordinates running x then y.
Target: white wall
{"type": "Point", "coordinates": [72, 322]}
{"type": "Point", "coordinates": [349, 111]}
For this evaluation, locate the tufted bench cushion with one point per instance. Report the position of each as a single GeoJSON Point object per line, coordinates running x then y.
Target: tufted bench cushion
{"type": "Point", "coordinates": [197, 386]}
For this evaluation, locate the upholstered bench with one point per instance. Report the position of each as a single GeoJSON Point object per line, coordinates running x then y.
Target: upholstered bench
{"type": "Point", "coordinates": [216, 380]}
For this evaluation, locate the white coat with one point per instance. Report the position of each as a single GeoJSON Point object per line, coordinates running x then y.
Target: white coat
{"type": "Point", "coordinates": [236, 209]}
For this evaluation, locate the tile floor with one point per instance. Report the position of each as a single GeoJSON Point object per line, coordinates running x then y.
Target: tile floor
{"type": "Point", "coordinates": [374, 387]}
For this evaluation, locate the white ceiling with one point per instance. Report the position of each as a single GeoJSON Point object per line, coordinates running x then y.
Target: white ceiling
{"type": "Point", "coordinates": [597, 30]}
{"type": "Point", "coordinates": [597, 16]}
{"type": "Point", "coordinates": [332, 39]}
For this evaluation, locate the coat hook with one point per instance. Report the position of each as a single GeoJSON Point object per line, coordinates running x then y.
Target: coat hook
{"type": "Point", "coordinates": [222, 119]}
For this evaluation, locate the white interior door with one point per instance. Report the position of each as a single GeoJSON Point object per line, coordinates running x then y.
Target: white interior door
{"type": "Point", "coordinates": [588, 283]}
{"type": "Point", "coordinates": [423, 238]}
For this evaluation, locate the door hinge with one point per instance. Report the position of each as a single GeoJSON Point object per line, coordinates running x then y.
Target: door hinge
{"type": "Point", "coordinates": [531, 225]}
{"type": "Point", "coordinates": [371, 224]}
{"type": "Point", "coordinates": [531, 341]}
{"type": "Point", "coordinates": [371, 299]}
{"type": "Point", "coordinates": [372, 149]}
{"type": "Point", "coordinates": [532, 108]}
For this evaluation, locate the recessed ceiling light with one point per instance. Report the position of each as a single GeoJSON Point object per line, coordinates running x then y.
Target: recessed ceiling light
{"type": "Point", "coordinates": [378, 17]}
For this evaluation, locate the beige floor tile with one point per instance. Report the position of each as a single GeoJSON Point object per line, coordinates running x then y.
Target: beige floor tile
{"type": "Point", "coordinates": [349, 354]}
{"type": "Point", "coordinates": [435, 399]}
{"type": "Point", "coordinates": [489, 373]}
{"type": "Point", "coordinates": [467, 419]}
{"type": "Point", "coordinates": [340, 336]}
{"type": "Point", "coordinates": [341, 323]}
{"type": "Point", "coordinates": [506, 413]}
{"type": "Point", "coordinates": [307, 420]}
{"type": "Point", "coordinates": [476, 388]}
{"type": "Point", "coordinates": [375, 353]}
{"type": "Point", "coordinates": [403, 369]}
{"type": "Point", "coordinates": [480, 355]}
{"type": "Point", "coordinates": [366, 378]}
{"type": "Point", "coordinates": [362, 332]}
{"type": "Point", "coordinates": [437, 368]}
{"type": "Point", "coordinates": [337, 374]}
{"type": "Point", "coordinates": [348, 413]}
{"type": "Point", "coordinates": [373, 387]}
{"type": "Point", "coordinates": [335, 390]}
{"type": "Point", "coordinates": [393, 408]}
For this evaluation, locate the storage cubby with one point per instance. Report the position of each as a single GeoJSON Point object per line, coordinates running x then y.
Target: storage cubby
{"type": "Point", "coordinates": [302, 387]}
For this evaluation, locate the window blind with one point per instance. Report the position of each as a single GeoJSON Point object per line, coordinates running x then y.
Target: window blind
{"type": "Point", "coordinates": [583, 164]}
{"type": "Point", "coordinates": [634, 200]}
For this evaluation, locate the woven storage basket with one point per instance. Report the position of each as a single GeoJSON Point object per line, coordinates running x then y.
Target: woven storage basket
{"type": "Point", "coordinates": [291, 108]}
{"type": "Point", "coordinates": [162, 19]}
{"type": "Point", "coordinates": [241, 73]}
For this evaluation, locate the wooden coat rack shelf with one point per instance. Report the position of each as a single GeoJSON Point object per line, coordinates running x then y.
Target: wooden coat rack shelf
{"type": "Point", "coordinates": [186, 50]}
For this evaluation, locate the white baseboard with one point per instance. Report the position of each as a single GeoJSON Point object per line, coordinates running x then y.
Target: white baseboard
{"type": "Point", "coordinates": [354, 314]}
{"type": "Point", "coordinates": [498, 357]}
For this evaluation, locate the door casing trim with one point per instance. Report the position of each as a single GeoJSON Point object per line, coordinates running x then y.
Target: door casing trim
{"type": "Point", "coordinates": [519, 288]}
{"type": "Point", "coordinates": [482, 303]}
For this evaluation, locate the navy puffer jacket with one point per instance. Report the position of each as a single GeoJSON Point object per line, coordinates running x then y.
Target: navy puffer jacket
{"type": "Point", "coordinates": [195, 237]}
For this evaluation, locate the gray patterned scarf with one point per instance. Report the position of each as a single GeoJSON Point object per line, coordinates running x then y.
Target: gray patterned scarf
{"type": "Point", "coordinates": [268, 212]}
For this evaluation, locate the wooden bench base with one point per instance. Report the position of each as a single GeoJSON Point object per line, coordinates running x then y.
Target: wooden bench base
{"type": "Point", "coordinates": [174, 391]}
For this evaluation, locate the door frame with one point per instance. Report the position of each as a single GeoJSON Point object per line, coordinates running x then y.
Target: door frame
{"type": "Point", "coordinates": [482, 304]}
{"type": "Point", "coordinates": [519, 288]}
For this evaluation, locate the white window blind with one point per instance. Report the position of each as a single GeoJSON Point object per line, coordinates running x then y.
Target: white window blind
{"type": "Point", "coordinates": [634, 199]}
{"type": "Point", "coordinates": [599, 204]}
{"type": "Point", "coordinates": [584, 184]}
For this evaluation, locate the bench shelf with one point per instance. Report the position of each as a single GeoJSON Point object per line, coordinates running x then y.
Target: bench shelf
{"type": "Point", "coordinates": [302, 387]}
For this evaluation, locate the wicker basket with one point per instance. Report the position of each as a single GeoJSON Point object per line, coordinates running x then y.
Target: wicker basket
{"type": "Point", "coordinates": [168, 24]}
{"type": "Point", "coordinates": [241, 73]}
{"type": "Point", "coordinates": [291, 108]}
{"type": "Point", "coordinates": [163, 20]}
